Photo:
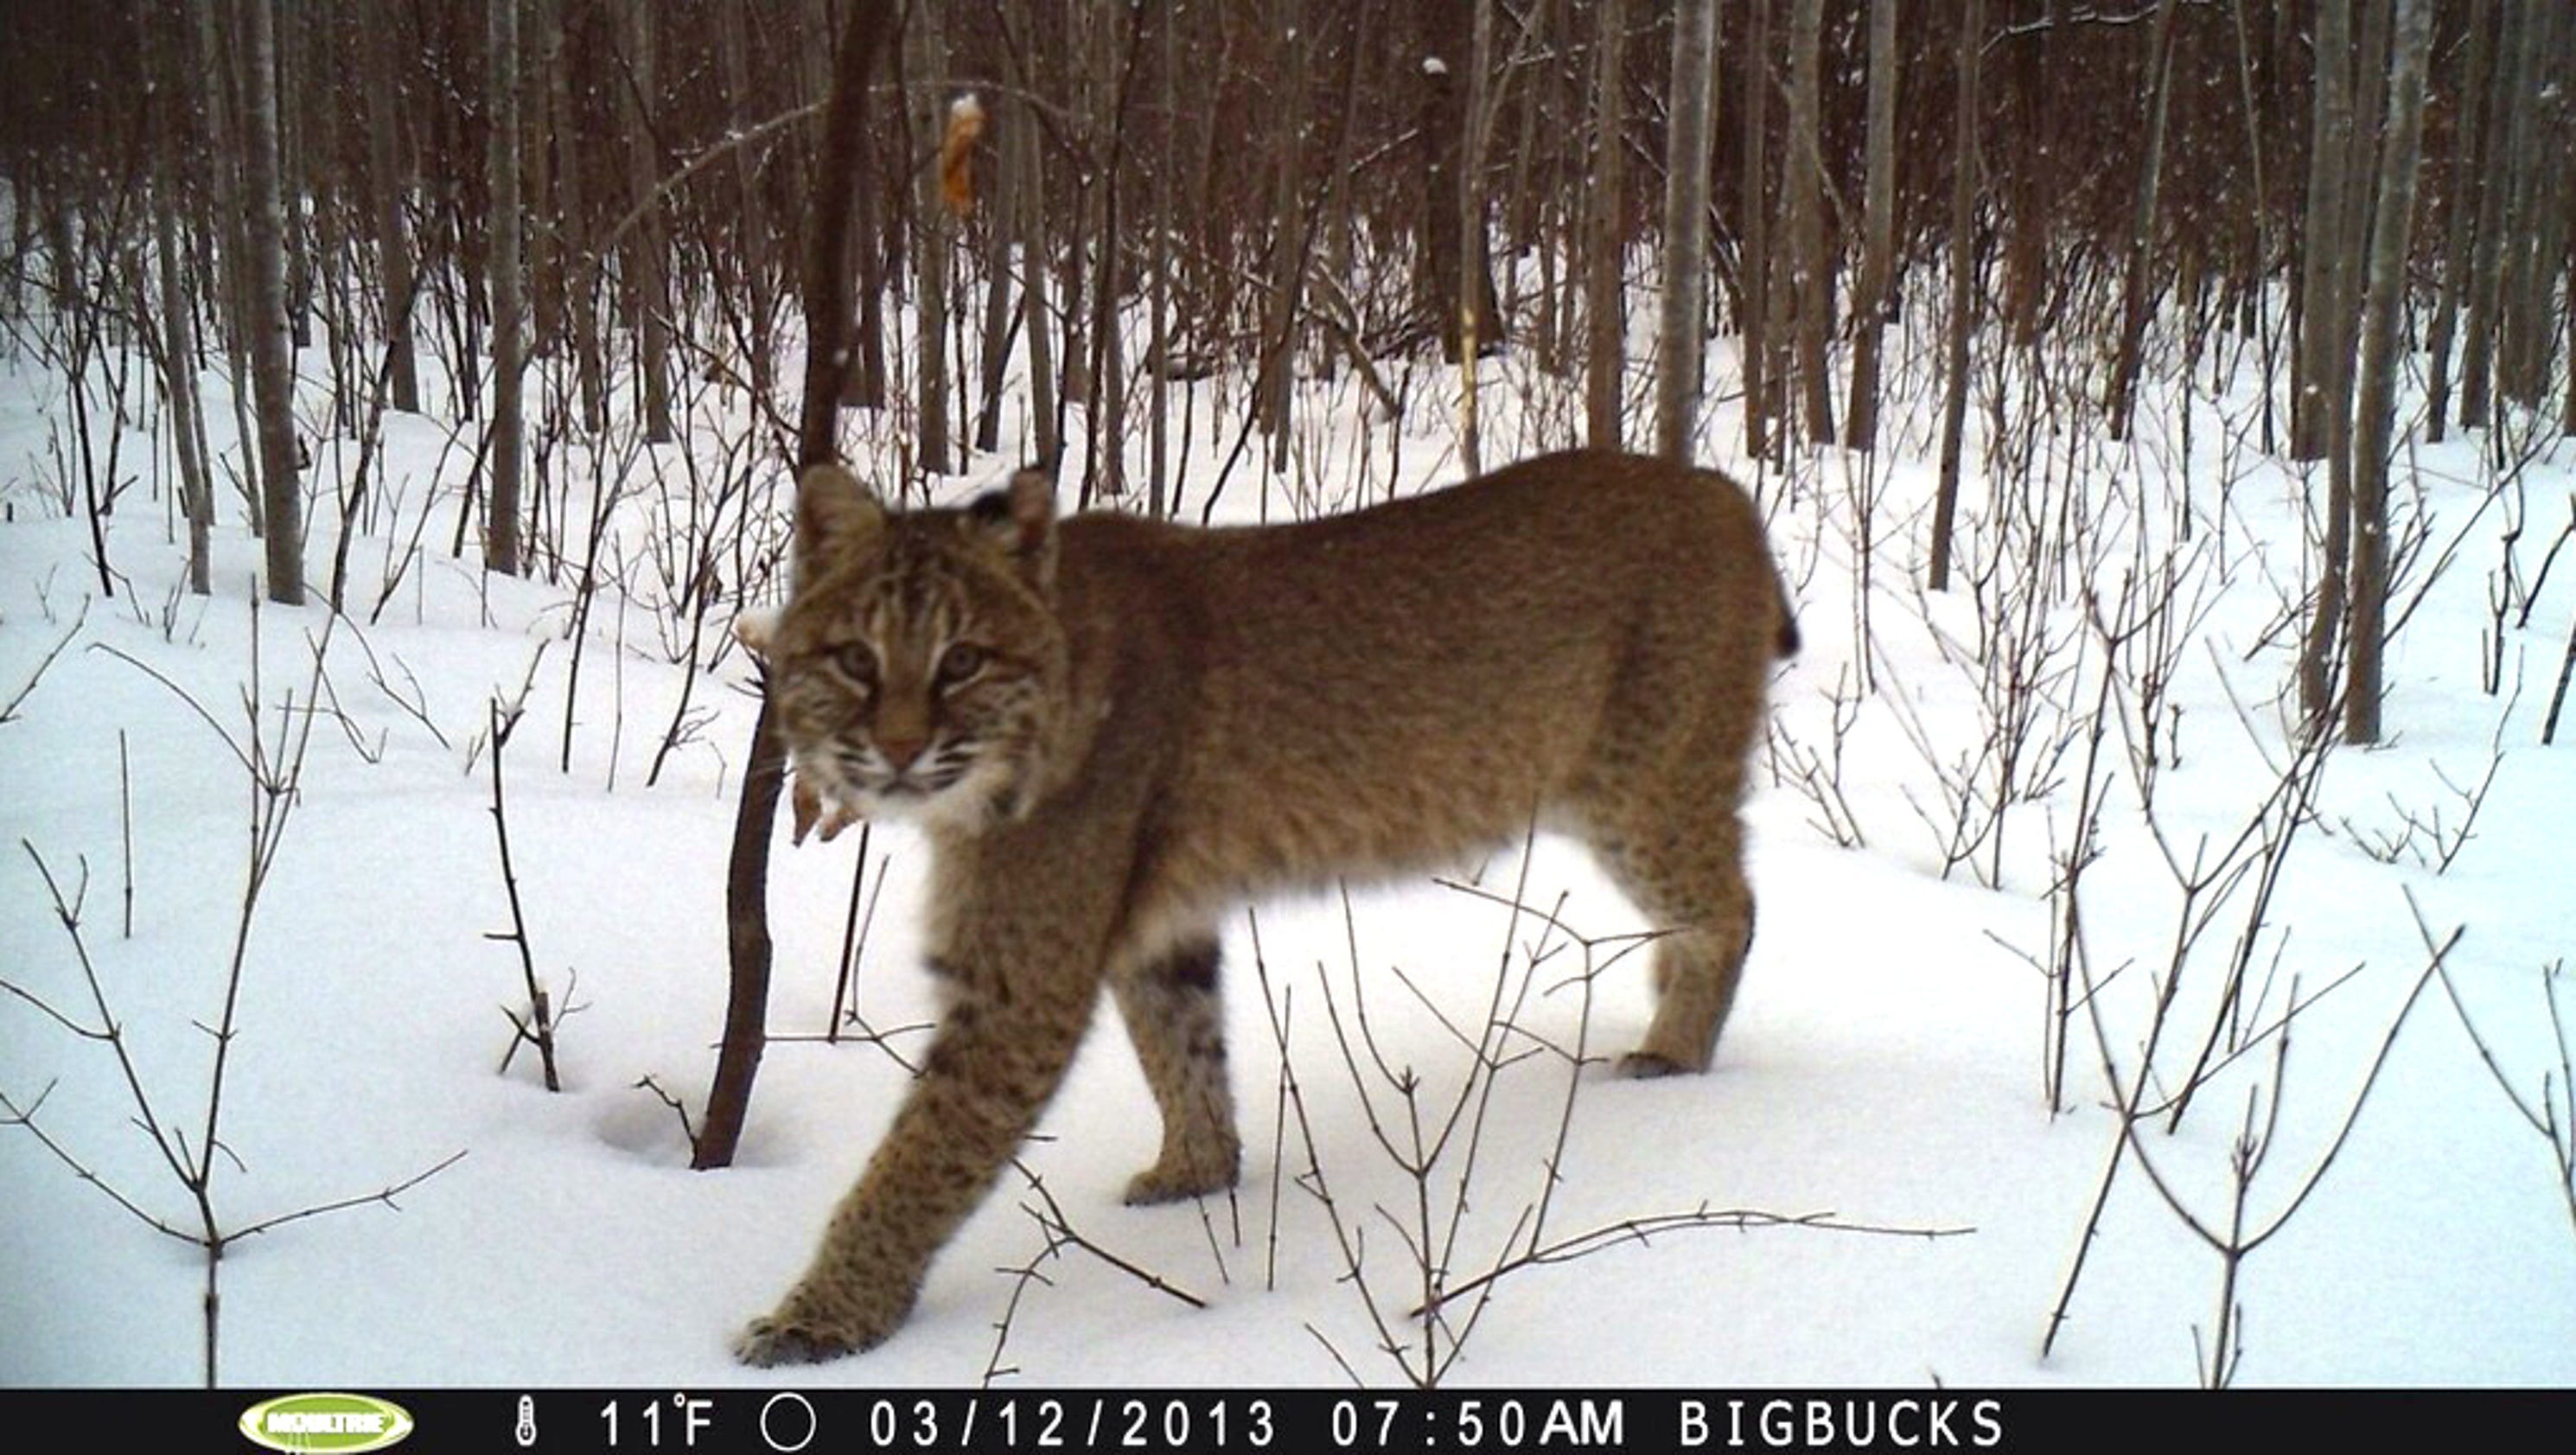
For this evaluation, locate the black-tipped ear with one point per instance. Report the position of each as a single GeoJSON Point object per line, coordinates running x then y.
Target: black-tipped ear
{"type": "Point", "coordinates": [834, 512]}
{"type": "Point", "coordinates": [1021, 519]}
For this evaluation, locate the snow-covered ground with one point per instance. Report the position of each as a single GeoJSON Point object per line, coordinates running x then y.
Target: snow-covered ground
{"type": "Point", "coordinates": [1884, 1074]}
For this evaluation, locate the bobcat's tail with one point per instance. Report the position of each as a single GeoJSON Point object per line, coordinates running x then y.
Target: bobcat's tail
{"type": "Point", "coordinates": [1785, 644]}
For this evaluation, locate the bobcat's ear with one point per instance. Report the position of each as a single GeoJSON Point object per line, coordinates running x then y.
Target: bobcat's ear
{"type": "Point", "coordinates": [834, 512]}
{"type": "Point", "coordinates": [1021, 519]}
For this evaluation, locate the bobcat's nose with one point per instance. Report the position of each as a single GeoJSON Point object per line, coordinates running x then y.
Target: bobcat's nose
{"type": "Point", "coordinates": [901, 750]}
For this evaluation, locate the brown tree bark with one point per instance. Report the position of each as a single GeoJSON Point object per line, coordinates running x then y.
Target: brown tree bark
{"type": "Point", "coordinates": [1963, 289]}
{"type": "Point", "coordinates": [2486, 255]}
{"type": "Point", "coordinates": [647, 246]}
{"type": "Point", "coordinates": [211, 60]}
{"type": "Point", "coordinates": [1029, 181]}
{"type": "Point", "coordinates": [2325, 336]}
{"type": "Point", "coordinates": [2375, 404]}
{"type": "Point", "coordinates": [2136, 288]}
{"type": "Point", "coordinates": [2461, 208]}
{"type": "Point", "coordinates": [2322, 290]}
{"type": "Point", "coordinates": [1811, 265]}
{"type": "Point", "coordinates": [501, 547]}
{"type": "Point", "coordinates": [1694, 82]}
{"type": "Point", "coordinates": [1606, 233]}
{"type": "Point", "coordinates": [1760, 378]}
{"type": "Point", "coordinates": [178, 318]}
{"type": "Point", "coordinates": [393, 234]}
{"type": "Point", "coordinates": [272, 361]}
{"type": "Point", "coordinates": [579, 264]}
{"type": "Point", "coordinates": [934, 240]}
{"type": "Point", "coordinates": [1872, 298]}
{"type": "Point", "coordinates": [1445, 52]}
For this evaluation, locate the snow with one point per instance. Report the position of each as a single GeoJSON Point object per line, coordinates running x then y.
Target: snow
{"type": "Point", "coordinates": [1883, 1069]}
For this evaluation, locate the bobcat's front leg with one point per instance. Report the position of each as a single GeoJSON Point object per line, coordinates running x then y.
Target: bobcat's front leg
{"type": "Point", "coordinates": [998, 1057]}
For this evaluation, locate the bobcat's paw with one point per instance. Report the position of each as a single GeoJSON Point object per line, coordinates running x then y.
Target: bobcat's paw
{"type": "Point", "coordinates": [771, 1342]}
{"type": "Point", "coordinates": [800, 1334]}
{"type": "Point", "coordinates": [1648, 1065]}
{"type": "Point", "coordinates": [1172, 1180]}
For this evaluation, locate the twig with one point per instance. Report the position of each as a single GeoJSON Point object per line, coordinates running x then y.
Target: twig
{"type": "Point", "coordinates": [1059, 1234]}
{"type": "Point", "coordinates": [678, 1107]}
{"type": "Point", "coordinates": [384, 1196]}
{"type": "Point", "coordinates": [2238, 1243]}
{"type": "Point", "coordinates": [125, 827]}
{"type": "Point", "coordinates": [537, 1028]}
{"type": "Point", "coordinates": [1645, 1229]}
{"type": "Point", "coordinates": [2553, 1113]}
{"type": "Point", "coordinates": [1061, 1231]}
{"type": "Point", "coordinates": [44, 664]}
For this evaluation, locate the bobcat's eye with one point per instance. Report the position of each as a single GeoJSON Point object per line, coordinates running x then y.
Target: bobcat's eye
{"type": "Point", "coordinates": [959, 664]}
{"type": "Point", "coordinates": [857, 662]}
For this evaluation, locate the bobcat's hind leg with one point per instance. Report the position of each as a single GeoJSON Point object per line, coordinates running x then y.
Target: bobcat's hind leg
{"type": "Point", "coordinates": [1173, 1016]}
{"type": "Point", "coordinates": [1691, 884]}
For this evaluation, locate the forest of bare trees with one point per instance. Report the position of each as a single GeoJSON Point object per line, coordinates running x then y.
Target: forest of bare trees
{"type": "Point", "coordinates": [556, 218]}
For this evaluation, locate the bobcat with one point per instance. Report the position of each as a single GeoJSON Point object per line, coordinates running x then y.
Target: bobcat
{"type": "Point", "coordinates": [1114, 729]}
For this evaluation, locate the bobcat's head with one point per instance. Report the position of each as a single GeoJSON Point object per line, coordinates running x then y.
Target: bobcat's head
{"type": "Point", "coordinates": [918, 666]}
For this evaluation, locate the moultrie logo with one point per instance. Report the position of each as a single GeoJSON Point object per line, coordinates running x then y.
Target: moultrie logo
{"type": "Point", "coordinates": [342, 1422]}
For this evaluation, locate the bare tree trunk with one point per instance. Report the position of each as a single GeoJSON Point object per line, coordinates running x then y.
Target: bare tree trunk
{"type": "Point", "coordinates": [1158, 499]}
{"type": "Point", "coordinates": [572, 228]}
{"type": "Point", "coordinates": [647, 251]}
{"type": "Point", "coordinates": [178, 319]}
{"type": "Point", "coordinates": [2033, 182]}
{"type": "Point", "coordinates": [1548, 216]}
{"type": "Point", "coordinates": [295, 248]}
{"type": "Point", "coordinates": [225, 158]}
{"type": "Point", "coordinates": [1811, 265]}
{"type": "Point", "coordinates": [1759, 376]}
{"type": "Point", "coordinates": [1694, 81]}
{"type": "Point", "coordinates": [2142, 222]}
{"type": "Point", "coordinates": [2523, 313]}
{"type": "Point", "coordinates": [2468, 194]}
{"type": "Point", "coordinates": [2553, 143]}
{"type": "Point", "coordinates": [1480, 328]}
{"type": "Point", "coordinates": [1107, 427]}
{"type": "Point", "coordinates": [865, 386]}
{"type": "Point", "coordinates": [2370, 74]}
{"type": "Point", "coordinates": [2567, 411]}
{"type": "Point", "coordinates": [1001, 203]}
{"type": "Point", "coordinates": [501, 548]}
{"type": "Point", "coordinates": [1287, 261]}
{"type": "Point", "coordinates": [1030, 183]}
{"type": "Point", "coordinates": [750, 224]}
{"type": "Point", "coordinates": [538, 123]}
{"type": "Point", "coordinates": [2375, 406]}
{"type": "Point", "coordinates": [272, 364]}
{"type": "Point", "coordinates": [1872, 302]}
{"type": "Point", "coordinates": [933, 239]}
{"type": "Point", "coordinates": [2253, 319]}
{"type": "Point", "coordinates": [1447, 46]}
{"type": "Point", "coordinates": [1480, 322]}
{"type": "Point", "coordinates": [2486, 257]}
{"type": "Point", "coordinates": [1606, 233]}
{"type": "Point", "coordinates": [827, 323]}
{"type": "Point", "coordinates": [2322, 289]}
{"type": "Point", "coordinates": [2324, 338]}
{"type": "Point", "coordinates": [863, 377]}
{"type": "Point", "coordinates": [1963, 291]}
{"type": "Point", "coordinates": [393, 182]}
